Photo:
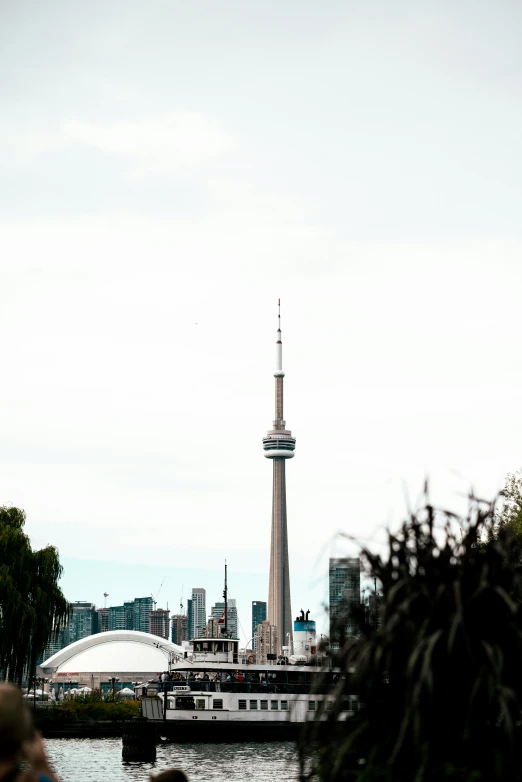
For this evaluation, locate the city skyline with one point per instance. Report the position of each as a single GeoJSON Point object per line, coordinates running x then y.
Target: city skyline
{"type": "Point", "coordinates": [152, 213]}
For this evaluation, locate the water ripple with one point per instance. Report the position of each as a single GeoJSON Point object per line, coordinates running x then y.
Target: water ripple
{"type": "Point", "coordinates": [99, 760]}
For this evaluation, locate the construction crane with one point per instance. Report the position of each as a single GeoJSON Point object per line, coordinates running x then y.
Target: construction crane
{"type": "Point", "coordinates": [106, 595]}
{"type": "Point", "coordinates": [155, 599]}
{"type": "Point", "coordinates": [181, 602]}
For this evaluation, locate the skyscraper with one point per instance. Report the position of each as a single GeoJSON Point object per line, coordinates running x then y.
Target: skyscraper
{"type": "Point", "coordinates": [258, 616]}
{"type": "Point", "coordinates": [159, 621]}
{"type": "Point", "coordinates": [279, 446]}
{"type": "Point", "coordinates": [179, 629]}
{"type": "Point", "coordinates": [101, 620]}
{"type": "Point", "coordinates": [344, 597]}
{"type": "Point", "coordinates": [217, 610]}
{"type": "Point", "coordinates": [117, 618]}
{"type": "Point", "coordinates": [199, 612]}
{"type": "Point", "coordinates": [142, 608]}
{"type": "Point", "coordinates": [267, 641]}
{"type": "Point", "coordinates": [81, 621]}
{"type": "Point", "coordinates": [190, 622]}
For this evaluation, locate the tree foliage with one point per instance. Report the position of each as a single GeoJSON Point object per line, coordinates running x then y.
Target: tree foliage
{"type": "Point", "coordinates": [440, 682]}
{"type": "Point", "coordinates": [510, 514]}
{"type": "Point", "coordinates": [32, 606]}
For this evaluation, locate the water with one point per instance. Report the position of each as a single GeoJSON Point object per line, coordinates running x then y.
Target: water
{"type": "Point", "coordinates": [99, 760]}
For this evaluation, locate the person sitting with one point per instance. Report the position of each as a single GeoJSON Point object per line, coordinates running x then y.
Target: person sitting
{"type": "Point", "coordinates": [19, 742]}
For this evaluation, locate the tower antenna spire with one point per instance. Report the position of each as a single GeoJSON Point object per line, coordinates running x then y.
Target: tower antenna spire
{"type": "Point", "coordinates": [279, 344]}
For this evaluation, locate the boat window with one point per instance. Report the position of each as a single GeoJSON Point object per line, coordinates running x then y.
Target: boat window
{"type": "Point", "coordinates": [253, 704]}
{"type": "Point", "coordinates": [242, 705]}
{"type": "Point", "coordinates": [200, 703]}
{"type": "Point", "coordinates": [219, 646]}
{"type": "Point", "coordinates": [273, 705]}
{"type": "Point", "coordinates": [329, 705]}
{"type": "Point", "coordinates": [218, 703]}
{"type": "Point", "coordinates": [284, 705]}
{"type": "Point", "coordinates": [311, 705]}
{"type": "Point", "coordinates": [263, 705]}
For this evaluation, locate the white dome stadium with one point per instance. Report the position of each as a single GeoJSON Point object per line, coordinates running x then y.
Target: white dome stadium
{"type": "Point", "coordinates": [126, 653]}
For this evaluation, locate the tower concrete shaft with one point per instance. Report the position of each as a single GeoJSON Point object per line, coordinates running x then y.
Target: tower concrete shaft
{"type": "Point", "coordinates": [279, 446]}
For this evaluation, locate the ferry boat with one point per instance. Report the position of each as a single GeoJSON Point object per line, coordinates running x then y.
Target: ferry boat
{"type": "Point", "coordinates": [212, 696]}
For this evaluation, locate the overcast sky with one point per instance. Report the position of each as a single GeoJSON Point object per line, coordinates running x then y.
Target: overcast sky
{"type": "Point", "coordinates": [169, 169]}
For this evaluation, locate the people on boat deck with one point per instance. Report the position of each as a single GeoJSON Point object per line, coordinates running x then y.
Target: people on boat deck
{"type": "Point", "coordinates": [191, 677]}
{"type": "Point", "coordinates": [19, 742]}
{"type": "Point", "coordinates": [240, 677]}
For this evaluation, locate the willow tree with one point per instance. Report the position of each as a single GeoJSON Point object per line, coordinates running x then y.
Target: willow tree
{"type": "Point", "coordinates": [32, 606]}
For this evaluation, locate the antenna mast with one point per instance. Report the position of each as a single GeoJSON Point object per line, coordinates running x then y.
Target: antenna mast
{"type": "Point", "coordinates": [225, 595]}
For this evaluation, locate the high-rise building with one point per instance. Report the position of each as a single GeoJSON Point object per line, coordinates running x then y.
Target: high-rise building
{"type": "Point", "coordinates": [344, 596]}
{"type": "Point", "coordinates": [159, 622]}
{"type": "Point", "coordinates": [57, 643]}
{"type": "Point", "coordinates": [179, 629]}
{"type": "Point", "coordinates": [101, 620]}
{"type": "Point", "coordinates": [199, 611]}
{"type": "Point", "coordinates": [217, 611]}
{"type": "Point", "coordinates": [267, 641]}
{"type": "Point", "coordinates": [142, 608]}
{"type": "Point", "coordinates": [117, 618]}
{"type": "Point", "coordinates": [81, 622]}
{"type": "Point", "coordinates": [190, 622]}
{"type": "Point", "coordinates": [279, 446]}
{"type": "Point", "coordinates": [129, 615]}
{"type": "Point", "coordinates": [212, 629]}
{"type": "Point", "coordinates": [258, 616]}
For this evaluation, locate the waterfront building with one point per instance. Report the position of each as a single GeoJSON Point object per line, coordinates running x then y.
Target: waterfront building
{"type": "Point", "coordinates": [142, 608]}
{"type": "Point", "coordinates": [179, 632]}
{"type": "Point", "coordinates": [258, 616]}
{"type": "Point", "coordinates": [279, 446]}
{"type": "Point", "coordinates": [190, 623]}
{"type": "Point", "coordinates": [212, 629]}
{"type": "Point", "coordinates": [101, 620]}
{"type": "Point", "coordinates": [372, 610]}
{"type": "Point", "coordinates": [130, 655]}
{"type": "Point", "coordinates": [344, 596]}
{"type": "Point", "coordinates": [129, 615]}
{"type": "Point", "coordinates": [199, 612]}
{"type": "Point", "coordinates": [117, 618]}
{"type": "Point", "coordinates": [58, 642]}
{"type": "Point", "coordinates": [267, 641]}
{"type": "Point", "coordinates": [81, 622]}
{"type": "Point", "coordinates": [217, 612]}
{"type": "Point", "coordinates": [159, 622]}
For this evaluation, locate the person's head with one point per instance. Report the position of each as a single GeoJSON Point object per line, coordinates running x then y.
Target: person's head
{"type": "Point", "coordinates": [15, 722]}
{"type": "Point", "coordinates": [171, 775]}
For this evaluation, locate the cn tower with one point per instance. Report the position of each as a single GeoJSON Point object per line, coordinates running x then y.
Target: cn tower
{"type": "Point", "coordinates": [279, 446]}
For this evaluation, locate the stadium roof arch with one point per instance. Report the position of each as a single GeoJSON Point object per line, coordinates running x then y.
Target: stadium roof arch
{"type": "Point", "coordinates": [114, 651]}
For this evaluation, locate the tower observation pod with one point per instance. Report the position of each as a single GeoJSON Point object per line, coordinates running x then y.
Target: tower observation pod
{"type": "Point", "coordinates": [279, 445]}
